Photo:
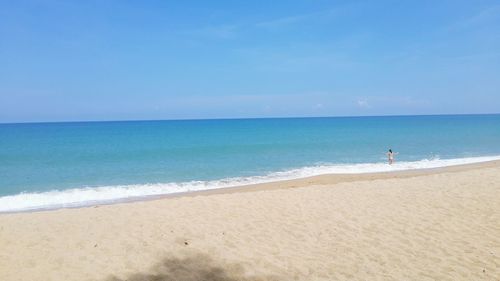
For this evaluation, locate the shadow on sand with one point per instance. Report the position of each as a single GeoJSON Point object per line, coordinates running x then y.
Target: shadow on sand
{"type": "Point", "coordinates": [195, 268]}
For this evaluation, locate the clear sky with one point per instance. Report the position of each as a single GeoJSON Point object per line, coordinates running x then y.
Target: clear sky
{"type": "Point", "coordinates": [122, 60]}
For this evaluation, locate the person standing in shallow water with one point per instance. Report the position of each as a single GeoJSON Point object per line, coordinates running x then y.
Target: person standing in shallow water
{"type": "Point", "coordinates": [391, 155]}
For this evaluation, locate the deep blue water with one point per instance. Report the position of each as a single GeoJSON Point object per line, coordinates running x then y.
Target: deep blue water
{"type": "Point", "coordinates": [45, 156]}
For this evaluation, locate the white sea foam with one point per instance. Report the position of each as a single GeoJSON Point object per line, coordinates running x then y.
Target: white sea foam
{"type": "Point", "coordinates": [108, 194]}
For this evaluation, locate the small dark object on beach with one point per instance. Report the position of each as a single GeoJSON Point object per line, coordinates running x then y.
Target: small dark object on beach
{"type": "Point", "coordinates": [186, 243]}
{"type": "Point", "coordinates": [95, 245]}
{"type": "Point", "coordinates": [484, 270]}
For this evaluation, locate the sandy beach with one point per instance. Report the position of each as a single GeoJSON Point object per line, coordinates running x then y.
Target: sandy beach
{"type": "Point", "coordinates": [440, 224]}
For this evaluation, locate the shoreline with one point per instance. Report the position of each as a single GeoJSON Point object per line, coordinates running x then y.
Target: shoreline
{"type": "Point", "coordinates": [324, 179]}
{"type": "Point", "coordinates": [332, 179]}
{"type": "Point", "coordinates": [435, 224]}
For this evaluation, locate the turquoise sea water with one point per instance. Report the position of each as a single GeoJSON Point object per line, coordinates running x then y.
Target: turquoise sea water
{"type": "Point", "coordinates": [45, 164]}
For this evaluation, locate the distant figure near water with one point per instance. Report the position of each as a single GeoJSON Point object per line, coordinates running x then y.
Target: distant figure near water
{"type": "Point", "coordinates": [391, 155]}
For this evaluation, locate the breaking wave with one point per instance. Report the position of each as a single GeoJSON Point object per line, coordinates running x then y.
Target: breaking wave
{"type": "Point", "coordinates": [78, 197]}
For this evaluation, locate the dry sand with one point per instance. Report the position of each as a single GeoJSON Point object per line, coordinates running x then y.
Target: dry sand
{"type": "Point", "coordinates": [441, 224]}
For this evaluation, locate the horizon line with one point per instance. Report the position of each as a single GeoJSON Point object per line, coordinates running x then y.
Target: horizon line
{"type": "Point", "coordinates": [241, 118]}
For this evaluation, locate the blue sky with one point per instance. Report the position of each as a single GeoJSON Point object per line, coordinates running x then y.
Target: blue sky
{"type": "Point", "coordinates": [123, 60]}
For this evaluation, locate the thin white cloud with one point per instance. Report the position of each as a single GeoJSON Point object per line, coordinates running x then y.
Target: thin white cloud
{"type": "Point", "coordinates": [391, 101]}
{"type": "Point", "coordinates": [326, 14]}
{"type": "Point", "coordinates": [297, 58]}
{"type": "Point", "coordinates": [230, 30]}
{"type": "Point", "coordinates": [225, 31]}
{"type": "Point", "coordinates": [484, 16]}
{"type": "Point", "coordinates": [284, 21]}
{"type": "Point", "coordinates": [363, 103]}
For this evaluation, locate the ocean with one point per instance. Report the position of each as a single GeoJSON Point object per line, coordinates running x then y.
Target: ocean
{"type": "Point", "coordinates": [54, 165]}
